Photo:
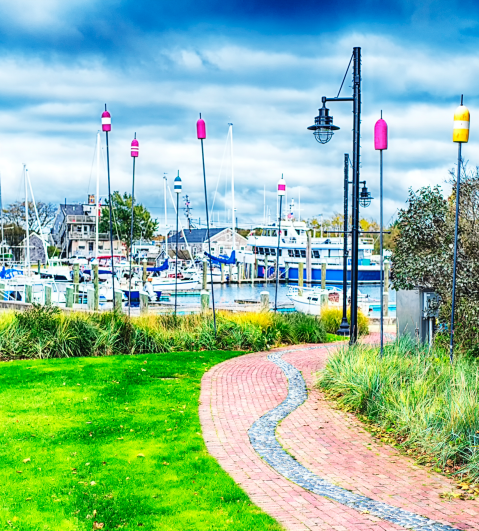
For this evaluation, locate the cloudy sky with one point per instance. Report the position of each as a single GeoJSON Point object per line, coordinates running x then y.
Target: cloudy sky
{"type": "Point", "coordinates": [261, 65]}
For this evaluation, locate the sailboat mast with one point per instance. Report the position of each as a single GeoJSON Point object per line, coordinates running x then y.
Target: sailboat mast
{"type": "Point", "coordinates": [233, 216]}
{"type": "Point", "coordinates": [97, 217]}
{"type": "Point", "coordinates": [27, 241]}
{"type": "Point", "coordinates": [264, 204]}
{"type": "Point", "coordinates": [299, 207]}
{"type": "Point", "coordinates": [166, 220]}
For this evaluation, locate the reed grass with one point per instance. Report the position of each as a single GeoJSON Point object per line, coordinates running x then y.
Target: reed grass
{"type": "Point", "coordinates": [429, 405]}
{"type": "Point", "coordinates": [44, 332]}
{"type": "Point", "coordinates": [332, 317]}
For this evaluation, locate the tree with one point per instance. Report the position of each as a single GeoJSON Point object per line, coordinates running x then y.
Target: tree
{"type": "Point", "coordinates": [15, 214]}
{"type": "Point", "coordinates": [144, 226]}
{"type": "Point", "coordinates": [423, 256]}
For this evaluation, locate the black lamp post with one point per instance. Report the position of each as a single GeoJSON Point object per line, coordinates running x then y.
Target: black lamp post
{"type": "Point", "coordinates": [365, 196]}
{"type": "Point", "coordinates": [323, 131]}
{"type": "Point", "coordinates": [344, 326]}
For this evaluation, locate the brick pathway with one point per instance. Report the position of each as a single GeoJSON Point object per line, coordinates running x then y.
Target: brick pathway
{"type": "Point", "coordinates": [330, 443]}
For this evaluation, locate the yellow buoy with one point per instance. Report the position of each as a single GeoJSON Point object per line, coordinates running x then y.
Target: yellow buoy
{"type": "Point", "coordinates": [462, 118]}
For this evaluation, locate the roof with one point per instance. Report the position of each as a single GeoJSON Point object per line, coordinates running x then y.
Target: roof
{"type": "Point", "coordinates": [72, 210]}
{"type": "Point", "coordinates": [199, 235]}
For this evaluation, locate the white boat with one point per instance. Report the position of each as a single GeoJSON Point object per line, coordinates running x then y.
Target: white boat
{"type": "Point", "coordinates": [310, 302]}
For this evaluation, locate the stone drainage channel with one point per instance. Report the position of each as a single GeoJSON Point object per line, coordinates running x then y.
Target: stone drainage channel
{"type": "Point", "coordinates": [262, 435]}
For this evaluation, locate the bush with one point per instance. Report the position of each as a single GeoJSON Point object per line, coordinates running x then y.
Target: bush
{"type": "Point", "coordinates": [332, 317]}
{"type": "Point", "coordinates": [46, 332]}
{"type": "Point", "coordinates": [416, 393]}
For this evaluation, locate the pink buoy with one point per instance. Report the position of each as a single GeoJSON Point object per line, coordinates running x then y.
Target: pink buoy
{"type": "Point", "coordinates": [106, 121]}
{"type": "Point", "coordinates": [201, 129]}
{"type": "Point", "coordinates": [381, 134]}
{"type": "Point", "coordinates": [135, 148]}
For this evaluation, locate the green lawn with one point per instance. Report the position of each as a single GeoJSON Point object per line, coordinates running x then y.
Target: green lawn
{"type": "Point", "coordinates": [116, 441]}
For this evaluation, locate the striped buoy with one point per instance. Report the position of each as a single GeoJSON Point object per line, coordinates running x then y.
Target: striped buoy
{"type": "Point", "coordinates": [177, 183]}
{"type": "Point", "coordinates": [106, 121]}
{"type": "Point", "coordinates": [462, 118]}
{"type": "Point", "coordinates": [282, 186]}
{"type": "Point", "coordinates": [135, 148]}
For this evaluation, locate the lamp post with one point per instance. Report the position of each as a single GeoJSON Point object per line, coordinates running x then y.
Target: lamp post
{"type": "Point", "coordinates": [201, 134]}
{"type": "Point", "coordinates": [324, 129]}
{"type": "Point", "coordinates": [380, 144]}
{"type": "Point", "coordinates": [365, 196]}
{"type": "Point", "coordinates": [177, 189]}
{"type": "Point", "coordinates": [281, 194]}
{"type": "Point", "coordinates": [344, 326]}
{"type": "Point", "coordinates": [460, 135]}
{"type": "Point", "coordinates": [106, 127]}
{"type": "Point", "coordinates": [135, 149]}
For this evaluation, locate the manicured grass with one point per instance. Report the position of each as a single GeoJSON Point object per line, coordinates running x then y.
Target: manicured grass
{"type": "Point", "coordinates": [417, 400]}
{"type": "Point", "coordinates": [113, 440]}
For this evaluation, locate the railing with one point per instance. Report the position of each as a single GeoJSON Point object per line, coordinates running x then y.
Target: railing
{"type": "Point", "coordinates": [81, 219]}
{"type": "Point", "coordinates": [73, 235]}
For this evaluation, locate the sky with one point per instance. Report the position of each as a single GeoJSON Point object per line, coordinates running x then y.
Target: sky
{"type": "Point", "coordinates": [262, 66]}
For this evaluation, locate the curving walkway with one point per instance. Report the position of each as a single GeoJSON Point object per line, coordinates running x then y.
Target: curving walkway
{"type": "Point", "coordinates": [350, 481]}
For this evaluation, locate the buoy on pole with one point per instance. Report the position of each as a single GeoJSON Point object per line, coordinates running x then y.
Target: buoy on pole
{"type": "Point", "coordinates": [135, 151]}
{"type": "Point", "coordinates": [201, 134]}
{"type": "Point", "coordinates": [106, 127]}
{"type": "Point", "coordinates": [460, 135]}
{"type": "Point", "coordinates": [177, 189]}
{"type": "Point", "coordinates": [380, 144]}
{"type": "Point", "coordinates": [281, 194]}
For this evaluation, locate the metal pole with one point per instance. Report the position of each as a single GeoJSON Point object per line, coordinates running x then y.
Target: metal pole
{"type": "Point", "coordinates": [451, 347]}
{"type": "Point", "coordinates": [1, 221]}
{"type": "Point", "coordinates": [176, 261]}
{"type": "Point", "coordinates": [381, 260]}
{"type": "Point", "coordinates": [131, 229]}
{"type": "Point", "coordinates": [98, 143]}
{"type": "Point", "coordinates": [111, 217]}
{"type": "Point", "coordinates": [344, 326]}
{"type": "Point", "coordinates": [208, 235]}
{"type": "Point", "coordinates": [355, 208]}
{"type": "Point", "coordinates": [277, 255]}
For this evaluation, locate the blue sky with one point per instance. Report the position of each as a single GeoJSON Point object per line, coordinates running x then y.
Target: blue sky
{"type": "Point", "coordinates": [261, 65]}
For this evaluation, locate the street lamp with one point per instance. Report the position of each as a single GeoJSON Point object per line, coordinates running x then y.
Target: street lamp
{"type": "Point", "coordinates": [344, 326]}
{"type": "Point", "coordinates": [459, 135]}
{"type": "Point", "coordinates": [365, 196]}
{"type": "Point", "coordinates": [323, 125]}
{"type": "Point", "coordinates": [323, 131]}
{"type": "Point", "coordinates": [281, 194]}
{"type": "Point", "coordinates": [177, 189]}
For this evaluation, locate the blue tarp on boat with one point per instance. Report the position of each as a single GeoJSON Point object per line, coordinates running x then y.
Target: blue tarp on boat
{"type": "Point", "coordinates": [6, 274]}
{"type": "Point", "coordinates": [222, 259]}
{"type": "Point", "coordinates": [164, 266]}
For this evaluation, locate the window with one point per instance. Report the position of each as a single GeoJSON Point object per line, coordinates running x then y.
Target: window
{"type": "Point", "coordinates": [290, 253]}
{"type": "Point", "coordinates": [90, 246]}
{"type": "Point", "coordinates": [81, 247]}
{"type": "Point", "coordinates": [316, 253]}
{"type": "Point", "coordinates": [222, 249]}
{"type": "Point", "coordinates": [100, 246]}
{"type": "Point", "coordinates": [274, 233]}
{"type": "Point", "coordinates": [266, 251]}
{"type": "Point", "coordinates": [286, 232]}
{"type": "Point", "coordinates": [296, 253]}
{"type": "Point", "coordinates": [273, 252]}
{"type": "Point", "coordinates": [314, 299]}
{"type": "Point", "coordinates": [260, 250]}
{"type": "Point", "coordinates": [303, 253]}
{"type": "Point", "coordinates": [242, 248]}
{"type": "Point", "coordinates": [281, 252]}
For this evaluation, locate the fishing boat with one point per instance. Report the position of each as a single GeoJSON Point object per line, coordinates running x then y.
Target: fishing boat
{"type": "Point", "coordinates": [292, 251]}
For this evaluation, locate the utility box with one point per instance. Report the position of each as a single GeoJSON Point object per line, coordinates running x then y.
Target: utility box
{"type": "Point", "coordinates": [416, 314]}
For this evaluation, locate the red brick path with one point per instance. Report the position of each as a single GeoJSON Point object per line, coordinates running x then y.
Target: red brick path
{"type": "Point", "coordinates": [330, 443]}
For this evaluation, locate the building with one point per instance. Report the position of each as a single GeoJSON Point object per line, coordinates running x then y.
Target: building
{"type": "Point", "coordinates": [221, 242]}
{"type": "Point", "coordinates": [74, 232]}
{"type": "Point", "coordinates": [37, 250]}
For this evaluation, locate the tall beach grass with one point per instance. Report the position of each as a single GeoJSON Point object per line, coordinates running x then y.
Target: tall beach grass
{"type": "Point", "coordinates": [415, 393]}
{"type": "Point", "coordinates": [48, 333]}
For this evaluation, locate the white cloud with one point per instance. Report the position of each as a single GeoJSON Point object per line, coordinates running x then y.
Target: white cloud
{"type": "Point", "coordinates": [51, 112]}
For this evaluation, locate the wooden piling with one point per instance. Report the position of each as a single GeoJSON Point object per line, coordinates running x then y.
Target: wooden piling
{"type": "Point", "coordinates": [300, 278]}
